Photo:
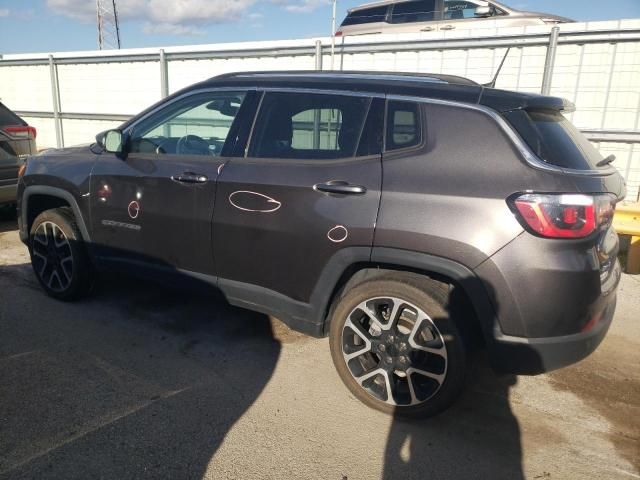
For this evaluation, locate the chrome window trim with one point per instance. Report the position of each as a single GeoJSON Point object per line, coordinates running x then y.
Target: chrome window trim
{"type": "Point", "coordinates": [528, 155]}
{"type": "Point", "coordinates": [162, 106]}
{"type": "Point", "coordinates": [322, 91]}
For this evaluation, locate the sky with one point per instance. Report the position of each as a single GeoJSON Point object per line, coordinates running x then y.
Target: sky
{"type": "Point", "coordinates": [69, 25]}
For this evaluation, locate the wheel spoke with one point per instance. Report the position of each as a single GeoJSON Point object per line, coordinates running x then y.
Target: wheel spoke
{"type": "Point", "coordinates": [54, 273]}
{"type": "Point", "coordinates": [41, 239]}
{"type": "Point", "coordinates": [387, 382]}
{"type": "Point", "coordinates": [441, 351]}
{"type": "Point", "coordinates": [59, 240]}
{"type": "Point", "coordinates": [435, 376]}
{"type": "Point", "coordinates": [372, 315]}
{"type": "Point", "coordinates": [358, 330]}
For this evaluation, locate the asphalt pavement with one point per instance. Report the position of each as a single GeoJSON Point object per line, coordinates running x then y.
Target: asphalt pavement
{"type": "Point", "coordinates": [143, 382]}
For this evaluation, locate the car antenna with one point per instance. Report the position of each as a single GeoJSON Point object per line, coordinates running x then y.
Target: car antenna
{"type": "Point", "coordinates": [492, 83]}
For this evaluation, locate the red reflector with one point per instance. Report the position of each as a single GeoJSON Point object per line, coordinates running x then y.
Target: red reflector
{"type": "Point", "coordinates": [565, 215]}
{"type": "Point", "coordinates": [21, 131]}
{"type": "Point", "coordinates": [570, 215]}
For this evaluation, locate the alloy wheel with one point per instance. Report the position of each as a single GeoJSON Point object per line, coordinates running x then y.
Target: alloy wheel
{"type": "Point", "coordinates": [394, 351]}
{"type": "Point", "coordinates": [52, 256]}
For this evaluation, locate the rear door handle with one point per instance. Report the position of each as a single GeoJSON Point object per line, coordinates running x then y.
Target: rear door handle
{"type": "Point", "coordinates": [447, 27]}
{"type": "Point", "coordinates": [190, 177]}
{"type": "Point", "coordinates": [427, 29]}
{"type": "Point", "coordinates": [340, 187]}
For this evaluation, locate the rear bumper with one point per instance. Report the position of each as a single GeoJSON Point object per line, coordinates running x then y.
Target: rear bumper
{"type": "Point", "coordinates": [532, 356]}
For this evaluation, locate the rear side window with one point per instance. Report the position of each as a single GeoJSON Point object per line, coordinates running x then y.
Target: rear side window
{"type": "Point", "coordinates": [367, 15]}
{"type": "Point", "coordinates": [417, 11]}
{"type": "Point", "coordinates": [7, 117]}
{"type": "Point", "coordinates": [555, 139]}
{"type": "Point", "coordinates": [309, 126]}
{"type": "Point", "coordinates": [404, 126]}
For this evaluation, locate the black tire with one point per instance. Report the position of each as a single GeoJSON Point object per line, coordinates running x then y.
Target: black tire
{"type": "Point", "coordinates": [61, 265]}
{"type": "Point", "coordinates": [449, 363]}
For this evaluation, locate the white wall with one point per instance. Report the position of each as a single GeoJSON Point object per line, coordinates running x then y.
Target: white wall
{"type": "Point", "coordinates": [603, 79]}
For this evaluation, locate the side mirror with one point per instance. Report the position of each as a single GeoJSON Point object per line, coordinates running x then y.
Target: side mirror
{"type": "Point", "coordinates": [483, 11]}
{"type": "Point", "coordinates": [113, 141]}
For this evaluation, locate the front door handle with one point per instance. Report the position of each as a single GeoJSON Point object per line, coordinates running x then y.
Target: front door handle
{"type": "Point", "coordinates": [427, 29]}
{"type": "Point", "coordinates": [447, 27]}
{"type": "Point", "coordinates": [190, 177]}
{"type": "Point", "coordinates": [340, 187]}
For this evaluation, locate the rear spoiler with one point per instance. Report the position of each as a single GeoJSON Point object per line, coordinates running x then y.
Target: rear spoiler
{"type": "Point", "coordinates": [504, 101]}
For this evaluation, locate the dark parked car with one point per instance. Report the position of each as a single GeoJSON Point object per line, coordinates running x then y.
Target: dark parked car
{"type": "Point", "coordinates": [17, 140]}
{"type": "Point", "coordinates": [409, 218]}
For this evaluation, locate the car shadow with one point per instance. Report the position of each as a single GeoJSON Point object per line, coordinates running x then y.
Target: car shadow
{"type": "Point", "coordinates": [142, 381]}
{"type": "Point", "coordinates": [136, 382]}
{"type": "Point", "coordinates": [479, 436]}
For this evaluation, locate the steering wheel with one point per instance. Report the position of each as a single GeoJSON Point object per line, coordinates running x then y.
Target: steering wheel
{"type": "Point", "coordinates": [192, 145]}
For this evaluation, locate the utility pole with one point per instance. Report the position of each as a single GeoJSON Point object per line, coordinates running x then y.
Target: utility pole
{"type": "Point", "coordinates": [108, 27]}
{"type": "Point", "coordinates": [333, 33]}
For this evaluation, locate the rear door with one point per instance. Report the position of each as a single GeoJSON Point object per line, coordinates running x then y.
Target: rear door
{"type": "Point", "coordinates": [155, 208]}
{"type": "Point", "coordinates": [308, 188]}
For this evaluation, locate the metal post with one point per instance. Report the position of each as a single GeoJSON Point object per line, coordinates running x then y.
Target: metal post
{"type": "Point", "coordinates": [333, 34]}
{"type": "Point", "coordinates": [550, 61]}
{"type": "Point", "coordinates": [55, 96]}
{"type": "Point", "coordinates": [318, 54]}
{"type": "Point", "coordinates": [316, 112]}
{"type": "Point", "coordinates": [164, 75]}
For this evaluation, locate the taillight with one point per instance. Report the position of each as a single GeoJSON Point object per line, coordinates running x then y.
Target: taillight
{"type": "Point", "coordinates": [565, 215]}
{"type": "Point", "coordinates": [338, 33]}
{"type": "Point", "coordinates": [21, 131]}
{"type": "Point", "coordinates": [21, 170]}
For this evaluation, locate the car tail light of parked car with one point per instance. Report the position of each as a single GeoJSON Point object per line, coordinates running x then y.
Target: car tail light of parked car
{"type": "Point", "coordinates": [565, 215]}
{"type": "Point", "coordinates": [21, 131]}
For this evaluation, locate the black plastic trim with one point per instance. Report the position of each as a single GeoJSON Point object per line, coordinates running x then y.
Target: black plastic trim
{"type": "Point", "coordinates": [53, 192]}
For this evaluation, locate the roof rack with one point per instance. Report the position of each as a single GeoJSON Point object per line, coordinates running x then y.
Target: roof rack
{"type": "Point", "coordinates": [364, 75]}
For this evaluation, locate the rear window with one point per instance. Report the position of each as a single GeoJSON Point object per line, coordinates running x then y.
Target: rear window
{"type": "Point", "coordinates": [367, 15]}
{"type": "Point", "coordinates": [403, 125]}
{"type": "Point", "coordinates": [7, 117]}
{"type": "Point", "coordinates": [555, 139]}
{"type": "Point", "coordinates": [309, 126]}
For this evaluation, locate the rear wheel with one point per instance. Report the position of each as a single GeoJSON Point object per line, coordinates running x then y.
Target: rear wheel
{"type": "Point", "coordinates": [395, 346]}
{"type": "Point", "coordinates": [58, 255]}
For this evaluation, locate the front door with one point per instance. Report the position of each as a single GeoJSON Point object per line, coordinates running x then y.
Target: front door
{"type": "Point", "coordinates": [308, 188]}
{"type": "Point", "coordinates": [156, 206]}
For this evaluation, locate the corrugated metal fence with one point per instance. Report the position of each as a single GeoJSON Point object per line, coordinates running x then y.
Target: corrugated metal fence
{"type": "Point", "coordinates": [70, 97]}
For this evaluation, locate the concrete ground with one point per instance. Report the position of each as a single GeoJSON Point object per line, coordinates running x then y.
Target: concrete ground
{"type": "Point", "coordinates": [141, 382]}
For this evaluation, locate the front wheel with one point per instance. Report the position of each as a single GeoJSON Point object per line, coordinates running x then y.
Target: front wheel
{"type": "Point", "coordinates": [58, 255]}
{"type": "Point", "coordinates": [395, 346]}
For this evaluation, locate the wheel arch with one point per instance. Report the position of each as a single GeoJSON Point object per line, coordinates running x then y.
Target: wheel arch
{"type": "Point", "coordinates": [39, 198]}
{"type": "Point", "coordinates": [384, 260]}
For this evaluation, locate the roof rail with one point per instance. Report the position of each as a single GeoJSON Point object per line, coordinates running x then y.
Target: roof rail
{"type": "Point", "coordinates": [364, 75]}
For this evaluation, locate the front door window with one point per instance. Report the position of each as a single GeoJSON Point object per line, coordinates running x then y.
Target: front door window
{"type": "Point", "coordinates": [198, 125]}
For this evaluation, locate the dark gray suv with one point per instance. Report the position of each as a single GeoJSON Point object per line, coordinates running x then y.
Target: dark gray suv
{"type": "Point", "coordinates": [410, 218]}
{"type": "Point", "coordinates": [17, 140]}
